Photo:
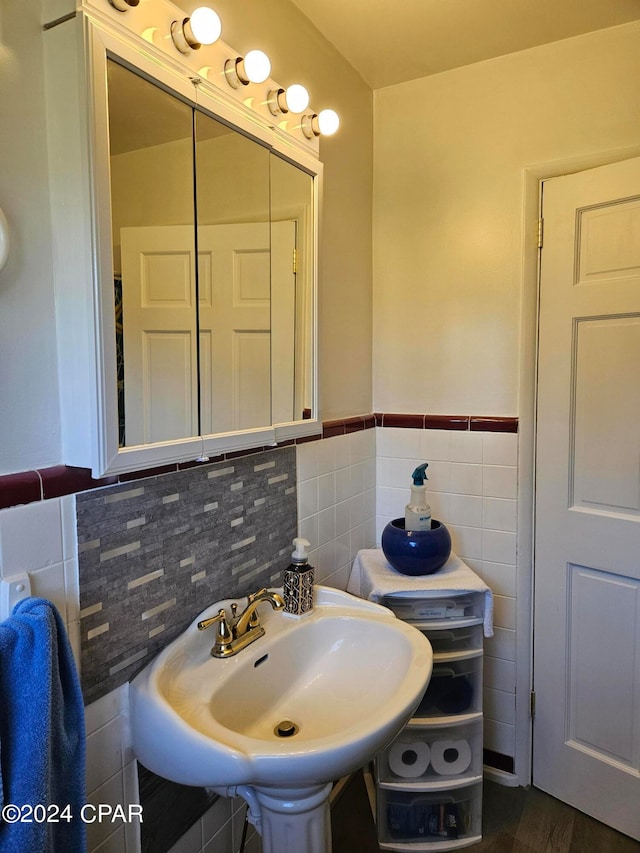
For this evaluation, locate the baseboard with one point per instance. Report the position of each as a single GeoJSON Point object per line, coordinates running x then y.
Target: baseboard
{"type": "Point", "coordinates": [500, 777]}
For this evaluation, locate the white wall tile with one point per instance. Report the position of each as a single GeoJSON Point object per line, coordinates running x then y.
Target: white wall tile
{"type": "Point", "coordinates": [215, 818]}
{"type": "Point", "coordinates": [500, 737]}
{"type": "Point", "coordinates": [500, 514]}
{"type": "Point", "coordinates": [72, 588]}
{"type": "Point", "coordinates": [502, 644]}
{"type": "Point", "coordinates": [101, 711]}
{"type": "Point", "coordinates": [191, 841]}
{"type": "Point", "coordinates": [69, 527]}
{"type": "Point", "coordinates": [112, 793]}
{"type": "Point", "coordinates": [222, 841]}
{"type": "Point", "coordinates": [405, 444]}
{"type": "Point", "coordinates": [307, 460]}
{"type": "Point", "coordinates": [307, 497]}
{"type": "Point", "coordinates": [500, 577]}
{"type": "Point", "coordinates": [500, 482]}
{"type": "Point", "coordinates": [49, 583]}
{"type": "Point", "coordinates": [504, 615]}
{"type": "Point", "coordinates": [435, 444]}
{"type": "Point", "coordinates": [500, 706]}
{"type": "Point", "coordinates": [131, 796]}
{"type": "Point", "coordinates": [465, 510]}
{"type": "Point", "coordinates": [466, 479]}
{"type": "Point", "coordinates": [326, 525]}
{"type": "Point", "coordinates": [341, 451]}
{"type": "Point", "coordinates": [499, 546]}
{"type": "Point", "coordinates": [326, 490]}
{"type": "Point", "coordinates": [499, 674]}
{"type": "Point", "coordinates": [466, 446]}
{"type": "Point", "coordinates": [326, 456]}
{"type": "Point", "coordinates": [343, 518]}
{"type": "Point", "coordinates": [30, 537]}
{"type": "Point", "coordinates": [343, 484]}
{"type": "Point", "coordinates": [500, 448]}
{"type": "Point", "coordinates": [308, 529]}
{"type": "Point", "coordinates": [466, 541]}
{"type": "Point", "coordinates": [115, 843]}
{"type": "Point", "coordinates": [104, 754]}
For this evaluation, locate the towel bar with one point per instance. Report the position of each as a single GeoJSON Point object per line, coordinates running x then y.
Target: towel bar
{"type": "Point", "coordinates": [13, 590]}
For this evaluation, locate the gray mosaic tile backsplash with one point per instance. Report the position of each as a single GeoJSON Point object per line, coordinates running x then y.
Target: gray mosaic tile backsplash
{"type": "Point", "coordinates": [154, 553]}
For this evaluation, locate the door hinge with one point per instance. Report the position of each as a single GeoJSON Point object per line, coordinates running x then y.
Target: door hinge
{"type": "Point", "coordinates": [532, 704]}
{"type": "Point", "coordinates": [540, 232]}
{"type": "Point", "coordinates": [295, 261]}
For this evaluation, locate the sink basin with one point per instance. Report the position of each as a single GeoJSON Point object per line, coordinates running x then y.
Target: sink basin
{"type": "Point", "coordinates": [348, 676]}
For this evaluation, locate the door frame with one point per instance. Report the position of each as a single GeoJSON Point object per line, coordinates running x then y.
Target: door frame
{"type": "Point", "coordinates": [532, 178]}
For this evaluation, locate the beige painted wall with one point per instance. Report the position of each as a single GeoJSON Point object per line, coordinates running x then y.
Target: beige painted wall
{"type": "Point", "coordinates": [30, 423]}
{"type": "Point", "coordinates": [29, 420]}
{"type": "Point", "coordinates": [300, 54]}
{"type": "Point", "coordinates": [450, 154]}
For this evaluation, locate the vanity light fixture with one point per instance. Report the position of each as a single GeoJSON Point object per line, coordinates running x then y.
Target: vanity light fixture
{"type": "Point", "coordinates": [203, 27]}
{"type": "Point", "coordinates": [123, 5]}
{"type": "Point", "coordinates": [255, 67]}
{"type": "Point", "coordinates": [324, 123]}
{"type": "Point", "coordinates": [294, 99]}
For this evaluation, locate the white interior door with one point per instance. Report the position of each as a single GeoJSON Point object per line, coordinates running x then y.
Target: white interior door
{"type": "Point", "coordinates": [246, 323]}
{"type": "Point", "coordinates": [587, 547]}
{"type": "Point", "coordinates": [159, 332]}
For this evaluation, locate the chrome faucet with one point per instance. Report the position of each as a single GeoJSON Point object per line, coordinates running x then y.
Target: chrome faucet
{"type": "Point", "coordinates": [237, 632]}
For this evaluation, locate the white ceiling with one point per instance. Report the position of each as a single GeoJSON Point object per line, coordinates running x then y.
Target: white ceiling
{"type": "Point", "coordinates": [392, 42]}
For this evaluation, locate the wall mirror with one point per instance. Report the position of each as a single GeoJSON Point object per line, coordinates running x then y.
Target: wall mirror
{"type": "Point", "coordinates": [212, 234]}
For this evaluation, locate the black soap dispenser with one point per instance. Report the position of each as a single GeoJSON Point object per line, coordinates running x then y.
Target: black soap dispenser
{"type": "Point", "coordinates": [298, 581]}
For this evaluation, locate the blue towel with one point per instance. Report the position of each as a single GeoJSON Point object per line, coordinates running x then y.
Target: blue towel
{"type": "Point", "coordinates": [42, 736]}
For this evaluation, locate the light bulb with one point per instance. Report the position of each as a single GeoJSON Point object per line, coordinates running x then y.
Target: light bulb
{"type": "Point", "coordinates": [297, 98]}
{"type": "Point", "coordinates": [205, 25]}
{"type": "Point", "coordinates": [257, 66]}
{"type": "Point", "coordinates": [328, 122]}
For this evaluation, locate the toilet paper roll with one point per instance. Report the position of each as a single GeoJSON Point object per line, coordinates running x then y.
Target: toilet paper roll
{"type": "Point", "coordinates": [409, 760]}
{"type": "Point", "coordinates": [450, 757]}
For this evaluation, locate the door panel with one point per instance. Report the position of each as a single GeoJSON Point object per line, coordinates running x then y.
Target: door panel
{"type": "Point", "coordinates": [587, 542]}
{"type": "Point", "coordinates": [159, 327]}
{"type": "Point", "coordinates": [606, 473]}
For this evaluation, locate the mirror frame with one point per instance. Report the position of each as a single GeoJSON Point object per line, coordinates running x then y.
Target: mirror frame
{"type": "Point", "coordinates": [96, 386]}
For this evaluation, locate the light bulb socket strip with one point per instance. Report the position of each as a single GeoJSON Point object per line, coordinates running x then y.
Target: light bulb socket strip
{"type": "Point", "coordinates": [235, 73]}
{"type": "Point", "coordinates": [123, 5]}
{"type": "Point", "coordinates": [277, 102]}
{"type": "Point", "coordinates": [310, 126]}
{"type": "Point", "coordinates": [183, 36]}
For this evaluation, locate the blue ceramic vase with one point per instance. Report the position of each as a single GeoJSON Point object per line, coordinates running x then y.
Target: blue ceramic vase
{"type": "Point", "coordinates": [416, 552]}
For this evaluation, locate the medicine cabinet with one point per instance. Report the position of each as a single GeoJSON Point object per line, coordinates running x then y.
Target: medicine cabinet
{"type": "Point", "coordinates": [185, 234]}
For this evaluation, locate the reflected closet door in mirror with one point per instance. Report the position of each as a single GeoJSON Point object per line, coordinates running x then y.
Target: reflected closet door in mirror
{"type": "Point", "coordinates": [153, 234]}
{"type": "Point", "coordinates": [234, 278]}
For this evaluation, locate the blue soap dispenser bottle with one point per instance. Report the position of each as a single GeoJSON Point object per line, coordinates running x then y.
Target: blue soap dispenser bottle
{"type": "Point", "coordinates": [298, 581]}
{"type": "Point", "coordinates": [417, 513]}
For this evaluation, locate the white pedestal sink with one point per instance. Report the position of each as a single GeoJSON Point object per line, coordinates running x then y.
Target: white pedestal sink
{"type": "Point", "coordinates": [348, 676]}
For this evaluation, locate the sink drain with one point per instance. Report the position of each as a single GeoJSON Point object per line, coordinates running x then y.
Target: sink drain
{"type": "Point", "coordinates": [286, 728]}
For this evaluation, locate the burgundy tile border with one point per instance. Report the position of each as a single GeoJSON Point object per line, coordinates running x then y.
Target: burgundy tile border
{"type": "Point", "coordinates": [22, 488]}
{"type": "Point", "coordinates": [403, 421]}
{"type": "Point", "coordinates": [59, 480]}
{"type": "Point", "coordinates": [482, 424]}
{"type": "Point", "coordinates": [451, 422]}
{"type": "Point", "coordinates": [62, 480]}
{"type": "Point", "coordinates": [332, 428]}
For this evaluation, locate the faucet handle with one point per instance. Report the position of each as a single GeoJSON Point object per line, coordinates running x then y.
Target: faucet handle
{"type": "Point", "coordinates": [253, 595]}
{"type": "Point", "coordinates": [207, 623]}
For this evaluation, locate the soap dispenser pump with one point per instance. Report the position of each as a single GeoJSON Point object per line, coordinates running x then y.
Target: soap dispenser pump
{"type": "Point", "coordinates": [298, 581]}
{"type": "Point", "coordinates": [417, 513]}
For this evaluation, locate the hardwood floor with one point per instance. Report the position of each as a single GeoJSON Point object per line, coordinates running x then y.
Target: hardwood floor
{"type": "Point", "coordinates": [515, 820]}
